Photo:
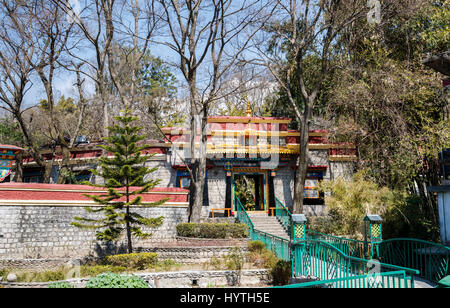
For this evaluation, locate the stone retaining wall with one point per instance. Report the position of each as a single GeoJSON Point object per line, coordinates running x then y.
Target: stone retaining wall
{"type": "Point", "coordinates": [190, 255]}
{"type": "Point", "coordinates": [44, 232]}
{"type": "Point", "coordinates": [184, 279]}
{"type": "Point", "coordinates": [178, 253]}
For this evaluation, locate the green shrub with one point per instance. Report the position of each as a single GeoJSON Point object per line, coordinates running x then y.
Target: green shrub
{"type": "Point", "coordinates": [45, 276]}
{"type": "Point", "coordinates": [410, 217]}
{"type": "Point", "coordinates": [94, 270]}
{"type": "Point", "coordinates": [348, 201]}
{"type": "Point", "coordinates": [4, 273]}
{"type": "Point", "coordinates": [60, 285]}
{"type": "Point", "coordinates": [235, 259]}
{"type": "Point", "coordinates": [188, 229]}
{"type": "Point", "coordinates": [166, 265]}
{"type": "Point", "coordinates": [113, 280]}
{"type": "Point", "coordinates": [281, 272]}
{"type": "Point", "coordinates": [212, 230]}
{"type": "Point", "coordinates": [35, 276]}
{"type": "Point", "coordinates": [214, 263]}
{"type": "Point", "coordinates": [138, 261]}
{"type": "Point", "coordinates": [260, 256]}
{"type": "Point", "coordinates": [256, 246]}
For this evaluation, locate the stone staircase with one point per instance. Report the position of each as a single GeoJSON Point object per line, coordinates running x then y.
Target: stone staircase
{"type": "Point", "coordinates": [269, 224]}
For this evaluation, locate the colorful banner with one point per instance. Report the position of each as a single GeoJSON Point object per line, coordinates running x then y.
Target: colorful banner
{"type": "Point", "coordinates": [4, 174]}
{"type": "Point", "coordinates": [7, 157]}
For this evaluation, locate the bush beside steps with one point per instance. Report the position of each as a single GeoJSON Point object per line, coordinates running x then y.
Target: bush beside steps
{"type": "Point", "coordinates": [212, 230]}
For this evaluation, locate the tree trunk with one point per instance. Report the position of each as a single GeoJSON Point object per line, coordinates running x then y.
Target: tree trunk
{"type": "Point", "coordinates": [18, 176]}
{"type": "Point", "coordinates": [199, 175]}
{"type": "Point", "coordinates": [64, 169]}
{"type": "Point", "coordinates": [129, 239]}
{"type": "Point", "coordinates": [127, 217]}
{"type": "Point", "coordinates": [303, 158]}
{"type": "Point", "coordinates": [47, 172]}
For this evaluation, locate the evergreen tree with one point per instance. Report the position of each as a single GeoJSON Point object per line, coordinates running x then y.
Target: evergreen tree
{"type": "Point", "coordinates": [124, 180]}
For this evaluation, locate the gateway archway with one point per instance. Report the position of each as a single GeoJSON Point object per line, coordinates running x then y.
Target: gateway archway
{"type": "Point", "coordinates": [251, 188]}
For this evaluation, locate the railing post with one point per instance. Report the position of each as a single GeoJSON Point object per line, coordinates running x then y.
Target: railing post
{"type": "Point", "coordinates": [297, 235]}
{"type": "Point", "coordinates": [298, 227]}
{"type": "Point", "coordinates": [372, 233]}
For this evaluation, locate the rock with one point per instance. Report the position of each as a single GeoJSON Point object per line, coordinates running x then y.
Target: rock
{"type": "Point", "coordinates": [11, 277]}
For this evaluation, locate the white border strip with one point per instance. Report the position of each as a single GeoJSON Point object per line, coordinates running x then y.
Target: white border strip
{"type": "Point", "coordinates": [83, 203]}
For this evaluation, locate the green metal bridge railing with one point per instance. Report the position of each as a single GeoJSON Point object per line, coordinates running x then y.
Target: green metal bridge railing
{"type": "Point", "coordinates": [430, 259]}
{"type": "Point", "coordinates": [342, 262]}
{"type": "Point", "coordinates": [396, 279]}
{"type": "Point", "coordinates": [322, 260]}
{"type": "Point", "coordinates": [350, 247]}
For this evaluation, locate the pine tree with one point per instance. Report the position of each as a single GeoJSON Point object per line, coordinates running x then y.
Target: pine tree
{"type": "Point", "coordinates": [124, 180]}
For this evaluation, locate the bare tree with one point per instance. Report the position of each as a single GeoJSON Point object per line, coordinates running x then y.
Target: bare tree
{"type": "Point", "coordinates": [299, 29]}
{"type": "Point", "coordinates": [91, 22]}
{"type": "Point", "coordinates": [16, 53]}
{"type": "Point", "coordinates": [49, 36]}
{"type": "Point", "coordinates": [212, 34]}
{"type": "Point", "coordinates": [134, 23]}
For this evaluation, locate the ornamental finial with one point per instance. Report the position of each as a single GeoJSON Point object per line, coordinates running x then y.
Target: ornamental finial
{"type": "Point", "coordinates": [249, 110]}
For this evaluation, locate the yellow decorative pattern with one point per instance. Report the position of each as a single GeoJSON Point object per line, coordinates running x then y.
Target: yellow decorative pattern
{"type": "Point", "coordinates": [376, 231]}
{"type": "Point", "coordinates": [299, 231]}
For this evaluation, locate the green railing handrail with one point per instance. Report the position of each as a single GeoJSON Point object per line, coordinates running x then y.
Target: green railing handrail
{"type": "Point", "coordinates": [360, 281]}
{"type": "Point", "coordinates": [317, 258]}
{"type": "Point", "coordinates": [437, 245]}
{"type": "Point", "coordinates": [351, 247]}
{"type": "Point", "coordinates": [392, 266]}
{"type": "Point", "coordinates": [283, 206]}
{"type": "Point", "coordinates": [243, 215]}
{"type": "Point", "coordinates": [431, 259]}
{"type": "Point", "coordinates": [280, 246]}
{"type": "Point", "coordinates": [284, 215]}
{"type": "Point", "coordinates": [309, 231]}
{"type": "Point", "coordinates": [272, 235]}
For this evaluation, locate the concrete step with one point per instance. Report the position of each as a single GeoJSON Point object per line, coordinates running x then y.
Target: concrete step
{"type": "Point", "coordinates": [271, 227]}
{"type": "Point", "coordinates": [269, 224]}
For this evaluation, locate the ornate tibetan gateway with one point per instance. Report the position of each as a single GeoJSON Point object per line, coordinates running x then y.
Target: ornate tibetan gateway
{"type": "Point", "coordinates": [7, 158]}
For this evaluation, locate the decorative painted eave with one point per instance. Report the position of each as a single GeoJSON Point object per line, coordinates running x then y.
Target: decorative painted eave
{"type": "Point", "coordinates": [343, 158]}
{"type": "Point", "coordinates": [246, 119]}
{"type": "Point", "coordinates": [93, 152]}
{"type": "Point", "coordinates": [13, 148]}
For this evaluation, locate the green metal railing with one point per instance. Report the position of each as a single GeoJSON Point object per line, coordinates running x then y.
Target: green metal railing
{"type": "Point", "coordinates": [279, 245]}
{"type": "Point", "coordinates": [316, 258]}
{"type": "Point", "coordinates": [352, 248]}
{"type": "Point", "coordinates": [284, 215]}
{"type": "Point", "coordinates": [243, 217]}
{"type": "Point", "coordinates": [431, 259]}
{"type": "Point", "coordinates": [395, 279]}
{"type": "Point", "coordinates": [342, 262]}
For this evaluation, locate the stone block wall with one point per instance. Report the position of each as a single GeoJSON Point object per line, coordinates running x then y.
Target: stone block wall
{"type": "Point", "coordinates": [341, 169]}
{"type": "Point", "coordinates": [164, 172]}
{"type": "Point", "coordinates": [45, 231]}
{"type": "Point", "coordinates": [284, 185]}
{"type": "Point", "coordinates": [216, 190]}
{"type": "Point", "coordinates": [185, 279]}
